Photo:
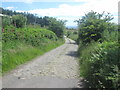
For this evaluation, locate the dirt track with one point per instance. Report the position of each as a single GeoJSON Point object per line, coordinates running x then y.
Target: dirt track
{"type": "Point", "coordinates": [56, 69]}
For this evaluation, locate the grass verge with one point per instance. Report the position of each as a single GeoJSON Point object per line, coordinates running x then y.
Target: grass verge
{"type": "Point", "coordinates": [20, 53]}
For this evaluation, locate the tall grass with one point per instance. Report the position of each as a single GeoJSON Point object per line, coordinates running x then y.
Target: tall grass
{"type": "Point", "coordinates": [23, 44]}
{"type": "Point", "coordinates": [99, 61]}
{"type": "Point", "coordinates": [99, 64]}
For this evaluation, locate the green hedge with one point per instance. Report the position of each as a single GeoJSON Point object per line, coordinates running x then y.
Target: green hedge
{"type": "Point", "coordinates": [100, 64]}
{"type": "Point", "coordinates": [20, 45]}
{"type": "Point", "coordinates": [31, 35]}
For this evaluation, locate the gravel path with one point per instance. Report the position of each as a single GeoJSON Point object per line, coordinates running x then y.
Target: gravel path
{"type": "Point", "coordinates": [55, 69]}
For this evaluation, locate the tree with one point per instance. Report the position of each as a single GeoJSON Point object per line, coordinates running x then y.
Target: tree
{"type": "Point", "coordinates": [46, 21]}
{"type": "Point", "coordinates": [57, 26]}
{"type": "Point", "coordinates": [19, 20]}
{"type": "Point", "coordinates": [92, 25]}
{"type": "Point", "coordinates": [6, 20]}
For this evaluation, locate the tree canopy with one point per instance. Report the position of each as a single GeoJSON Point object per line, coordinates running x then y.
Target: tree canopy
{"type": "Point", "coordinates": [21, 19]}
{"type": "Point", "coordinates": [92, 25]}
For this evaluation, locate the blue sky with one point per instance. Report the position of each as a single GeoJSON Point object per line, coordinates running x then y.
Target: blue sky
{"type": "Point", "coordinates": [69, 10]}
{"type": "Point", "coordinates": [27, 6]}
{"type": "Point", "coordinates": [35, 5]}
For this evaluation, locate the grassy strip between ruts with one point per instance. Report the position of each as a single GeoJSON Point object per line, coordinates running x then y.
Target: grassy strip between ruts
{"type": "Point", "coordinates": [23, 52]}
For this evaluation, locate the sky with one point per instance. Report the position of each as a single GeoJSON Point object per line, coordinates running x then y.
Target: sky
{"type": "Point", "coordinates": [69, 10]}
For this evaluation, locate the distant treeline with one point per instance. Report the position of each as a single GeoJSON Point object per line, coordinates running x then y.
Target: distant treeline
{"type": "Point", "coordinates": [31, 18]}
{"type": "Point", "coordinates": [20, 20]}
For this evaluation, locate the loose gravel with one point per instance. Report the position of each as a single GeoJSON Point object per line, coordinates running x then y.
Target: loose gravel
{"type": "Point", "coordinates": [60, 63]}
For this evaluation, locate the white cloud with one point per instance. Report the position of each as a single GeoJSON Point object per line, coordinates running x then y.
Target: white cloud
{"type": "Point", "coordinates": [62, 10]}
{"type": "Point", "coordinates": [29, 1]}
{"type": "Point", "coordinates": [65, 10]}
{"type": "Point", "coordinates": [20, 11]}
{"type": "Point", "coordinates": [82, 0]}
{"type": "Point", "coordinates": [68, 10]}
{"type": "Point", "coordinates": [70, 20]}
{"type": "Point", "coordinates": [71, 13]}
{"type": "Point", "coordinates": [10, 8]}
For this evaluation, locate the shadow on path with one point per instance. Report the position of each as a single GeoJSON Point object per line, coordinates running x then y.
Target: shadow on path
{"type": "Point", "coordinates": [72, 54]}
{"type": "Point", "coordinates": [73, 43]}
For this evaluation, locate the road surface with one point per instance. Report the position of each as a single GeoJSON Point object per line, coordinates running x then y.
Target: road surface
{"type": "Point", "coordinates": [58, 68]}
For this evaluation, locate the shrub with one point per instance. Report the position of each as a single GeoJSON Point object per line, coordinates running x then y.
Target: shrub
{"type": "Point", "coordinates": [57, 27]}
{"type": "Point", "coordinates": [6, 20]}
{"type": "Point", "coordinates": [19, 21]}
{"type": "Point", "coordinates": [20, 45]}
{"type": "Point", "coordinates": [92, 25]}
{"type": "Point", "coordinates": [100, 64]}
{"type": "Point", "coordinates": [33, 36]}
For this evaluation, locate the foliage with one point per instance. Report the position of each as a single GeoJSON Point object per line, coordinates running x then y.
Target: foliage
{"type": "Point", "coordinates": [57, 26]}
{"type": "Point", "coordinates": [92, 25]}
{"type": "Point", "coordinates": [98, 50]}
{"type": "Point", "coordinates": [31, 18]}
{"type": "Point", "coordinates": [16, 53]}
{"type": "Point", "coordinates": [100, 64]}
{"type": "Point", "coordinates": [72, 34]}
{"type": "Point", "coordinates": [19, 21]}
{"type": "Point", "coordinates": [23, 44]}
{"type": "Point", "coordinates": [6, 20]}
{"type": "Point", "coordinates": [110, 34]}
{"type": "Point", "coordinates": [25, 36]}
{"type": "Point", "coordinates": [29, 35]}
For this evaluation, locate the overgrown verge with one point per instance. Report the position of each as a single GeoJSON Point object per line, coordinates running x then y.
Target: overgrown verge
{"type": "Point", "coordinates": [99, 50]}
{"type": "Point", "coordinates": [23, 44]}
{"type": "Point", "coordinates": [99, 64]}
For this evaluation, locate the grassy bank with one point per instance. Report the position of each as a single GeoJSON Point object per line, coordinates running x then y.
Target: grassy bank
{"type": "Point", "coordinates": [19, 48]}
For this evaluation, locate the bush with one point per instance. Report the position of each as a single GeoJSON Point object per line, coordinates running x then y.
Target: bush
{"type": "Point", "coordinates": [57, 27]}
{"type": "Point", "coordinates": [6, 20]}
{"type": "Point", "coordinates": [20, 45]}
{"type": "Point", "coordinates": [99, 49]}
{"type": "Point", "coordinates": [92, 25]}
{"type": "Point", "coordinates": [72, 35]}
{"type": "Point", "coordinates": [33, 36]}
{"type": "Point", "coordinates": [100, 64]}
{"type": "Point", "coordinates": [19, 21]}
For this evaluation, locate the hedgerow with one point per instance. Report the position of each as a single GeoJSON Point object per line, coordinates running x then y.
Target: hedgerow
{"type": "Point", "coordinates": [20, 45]}
{"type": "Point", "coordinates": [98, 50]}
